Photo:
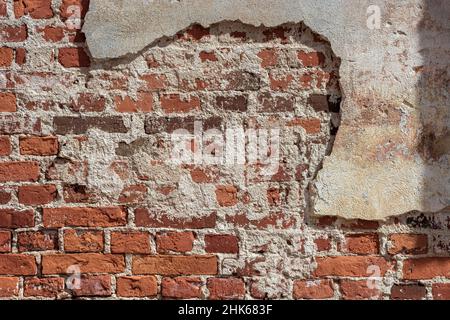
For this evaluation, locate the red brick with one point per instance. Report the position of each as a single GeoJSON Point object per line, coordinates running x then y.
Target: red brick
{"type": "Point", "coordinates": [5, 241]}
{"type": "Point", "coordinates": [360, 224]}
{"type": "Point", "coordinates": [67, 6]}
{"type": "Point", "coordinates": [207, 56]}
{"type": "Point", "coordinates": [350, 266]}
{"type": "Point", "coordinates": [21, 56]}
{"type": "Point", "coordinates": [13, 219]}
{"type": "Point", "coordinates": [6, 57]}
{"type": "Point", "coordinates": [154, 82]}
{"type": "Point", "coordinates": [37, 241]}
{"type": "Point", "coordinates": [73, 57]}
{"type": "Point", "coordinates": [84, 217]}
{"type": "Point", "coordinates": [89, 102]}
{"type": "Point", "coordinates": [359, 290]}
{"type": "Point", "coordinates": [87, 262]}
{"type": "Point", "coordinates": [311, 59]}
{"type": "Point", "coordinates": [52, 34]}
{"type": "Point", "coordinates": [175, 241]}
{"type": "Point", "coordinates": [181, 288]}
{"type": "Point", "coordinates": [426, 268]}
{"type": "Point", "coordinates": [269, 103]}
{"type": "Point", "coordinates": [176, 103]}
{"type": "Point", "coordinates": [5, 197]}
{"type": "Point", "coordinates": [93, 286]}
{"type": "Point", "coordinates": [269, 58]}
{"type": "Point", "coordinates": [195, 33]}
{"type": "Point", "coordinates": [226, 195]}
{"type": "Point", "coordinates": [441, 291]}
{"type": "Point", "coordinates": [309, 289]}
{"type": "Point", "coordinates": [17, 264]}
{"type": "Point", "coordinates": [311, 126]}
{"type": "Point", "coordinates": [146, 218]}
{"type": "Point", "coordinates": [143, 103]}
{"type": "Point", "coordinates": [322, 244]}
{"type": "Point", "coordinates": [13, 33]}
{"type": "Point", "coordinates": [175, 265]}
{"type": "Point", "coordinates": [133, 194]}
{"type": "Point", "coordinates": [37, 195]}
{"type": "Point", "coordinates": [3, 9]}
{"type": "Point", "coordinates": [408, 292]}
{"type": "Point", "coordinates": [221, 243]}
{"type": "Point", "coordinates": [408, 243]}
{"type": "Point", "coordinates": [362, 243]}
{"type": "Point", "coordinates": [43, 287]}
{"type": "Point", "coordinates": [280, 83]}
{"type": "Point", "coordinates": [9, 287]}
{"type": "Point", "coordinates": [5, 146]}
{"type": "Point", "coordinates": [83, 240]}
{"type": "Point", "coordinates": [130, 242]}
{"type": "Point", "coordinates": [37, 9]}
{"type": "Point", "coordinates": [226, 288]}
{"type": "Point", "coordinates": [232, 103]}
{"type": "Point", "coordinates": [137, 286]}
{"type": "Point", "coordinates": [39, 146]}
{"type": "Point", "coordinates": [8, 102]}
{"type": "Point", "coordinates": [19, 171]}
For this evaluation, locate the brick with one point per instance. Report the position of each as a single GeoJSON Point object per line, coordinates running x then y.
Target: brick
{"type": "Point", "coordinates": [322, 244]}
{"type": "Point", "coordinates": [3, 8]}
{"type": "Point", "coordinates": [133, 194]}
{"type": "Point", "coordinates": [78, 125]}
{"type": "Point", "coordinates": [5, 146]}
{"type": "Point", "coordinates": [426, 268]}
{"type": "Point", "coordinates": [130, 242]}
{"type": "Point", "coordinates": [226, 288]}
{"type": "Point", "coordinates": [39, 146]}
{"type": "Point", "coordinates": [441, 291]}
{"type": "Point", "coordinates": [87, 262]}
{"type": "Point", "coordinates": [311, 59]}
{"type": "Point", "coordinates": [17, 264]}
{"type": "Point", "coordinates": [5, 197]}
{"type": "Point", "coordinates": [52, 34]}
{"type": "Point", "coordinates": [73, 58]}
{"type": "Point", "coordinates": [280, 82]}
{"type": "Point", "coordinates": [68, 6]}
{"type": "Point", "coordinates": [146, 218]}
{"type": "Point", "coordinates": [12, 124]}
{"type": "Point", "coordinates": [143, 103]}
{"type": "Point", "coordinates": [13, 219]}
{"type": "Point", "coordinates": [21, 56]}
{"type": "Point", "coordinates": [269, 58]}
{"type": "Point", "coordinates": [76, 193]}
{"type": "Point", "coordinates": [154, 82]}
{"type": "Point", "coordinates": [9, 287]}
{"type": "Point", "coordinates": [313, 289]}
{"type": "Point", "coordinates": [362, 243]}
{"type": "Point", "coordinates": [19, 171]}
{"type": "Point", "coordinates": [175, 241]}
{"type": "Point", "coordinates": [8, 102]}
{"type": "Point", "coordinates": [226, 195]}
{"type": "Point", "coordinates": [350, 266]}
{"type": "Point", "coordinates": [88, 102]}
{"type": "Point", "coordinates": [37, 9]}
{"type": "Point", "coordinates": [311, 126]}
{"type": "Point", "coordinates": [359, 290]}
{"type": "Point", "coordinates": [207, 56]}
{"type": "Point", "coordinates": [270, 103]}
{"type": "Point", "coordinates": [221, 243]}
{"type": "Point", "coordinates": [93, 286]}
{"type": "Point", "coordinates": [37, 195]}
{"type": "Point", "coordinates": [181, 288]}
{"type": "Point", "coordinates": [84, 217]}
{"type": "Point", "coordinates": [5, 241]}
{"type": "Point", "coordinates": [37, 241]}
{"type": "Point", "coordinates": [169, 125]}
{"type": "Point", "coordinates": [43, 287]}
{"type": "Point", "coordinates": [83, 240]}
{"type": "Point", "coordinates": [13, 33]}
{"type": "Point", "coordinates": [176, 103]}
{"type": "Point", "coordinates": [232, 103]}
{"type": "Point", "coordinates": [175, 265]}
{"type": "Point", "coordinates": [6, 57]}
{"type": "Point", "coordinates": [137, 286]}
{"type": "Point", "coordinates": [408, 292]}
{"type": "Point", "coordinates": [408, 243]}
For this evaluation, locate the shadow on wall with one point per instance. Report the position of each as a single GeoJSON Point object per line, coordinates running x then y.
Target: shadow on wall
{"type": "Point", "coordinates": [433, 97]}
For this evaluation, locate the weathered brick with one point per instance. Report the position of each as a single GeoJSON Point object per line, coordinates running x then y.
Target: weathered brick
{"type": "Point", "coordinates": [43, 287]}
{"type": "Point", "coordinates": [9, 287]}
{"type": "Point", "coordinates": [19, 171]}
{"type": "Point", "coordinates": [146, 218]}
{"type": "Point", "coordinates": [6, 56]}
{"type": "Point", "coordinates": [350, 266]}
{"type": "Point", "coordinates": [13, 33]}
{"type": "Point", "coordinates": [175, 265]}
{"type": "Point", "coordinates": [37, 241]}
{"type": "Point", "coordinates": [175, 241]}
{"type": "Point", "coordinates": [441, 291]}
{"type": "Point", "coordinates": [130, 242]}
{"type": "Point", "coordinates": [221, 243]}
{"type": "Point", "coordinates": [181, 288]}
{"type": "Point", "coordinates": [404, 292]}
{"type": "Point", "coordinates": [313, 289]}
{"type": "Point", "coordinates": [408, 243]}
{"type": "Point", "coordinates": [37, 194]}
{"type": "Point", "coordinates": [5, 241]}
{"type": "Point", "coordinates": [87, 262]}
{"type": "Point", "coordinates": [226, 288]}
{"type": "Point", "coordinates": [84, 217]}
{"type": "Point", "coordinates": [5, 146]}
{"type": "Point", "coordinates": [74, 58]}
{"type": "Point", "coordinates": [37, 9]}
{"type": "Point", "coordinates": [176, 103]}
{"type": "Point", "coordinates": [137, 286]}
{"type": "Point", "coordinates": [8, 102]}
{"type": "Point", "coordinates": [13, 219]}
{"type": "Point", "coordinates": [426, 268]}
{"type": "Point", "coordinates": [78, 125]}
{"type": "Point", "coordinates": [17, 264]}
{"type": "Point", "coordinates": [362, 243]}
{"type": "Point", "coordinates": [93, 286]}
{"type": "Point", "coordinates": [83, 240]}
{"type": "Point", "coordinates": [359, 290]}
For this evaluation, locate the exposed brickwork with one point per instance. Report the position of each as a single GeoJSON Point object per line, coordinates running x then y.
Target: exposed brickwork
{"type": "Point", "coordinates": [86, 178]}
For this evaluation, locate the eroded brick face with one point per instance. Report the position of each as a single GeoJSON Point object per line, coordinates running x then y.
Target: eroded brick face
{"type": "Point", "coordinates": [87, 177]}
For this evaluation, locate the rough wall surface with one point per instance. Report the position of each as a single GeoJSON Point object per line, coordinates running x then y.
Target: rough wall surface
{"type": "Point", "coordinates": [392, 152]}
{"type": "Point", "coordinates": [87, 185]}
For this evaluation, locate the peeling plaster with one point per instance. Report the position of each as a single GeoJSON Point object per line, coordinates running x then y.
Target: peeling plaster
{"type": "Point", "coordinates": [391, 155]}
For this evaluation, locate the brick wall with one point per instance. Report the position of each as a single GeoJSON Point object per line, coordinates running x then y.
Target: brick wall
{"type": "Point", "coordinates": [87, 181]}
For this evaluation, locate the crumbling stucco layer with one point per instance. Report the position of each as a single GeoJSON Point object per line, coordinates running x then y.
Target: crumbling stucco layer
{"type": "Point", "coordinates": [391, 155]}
